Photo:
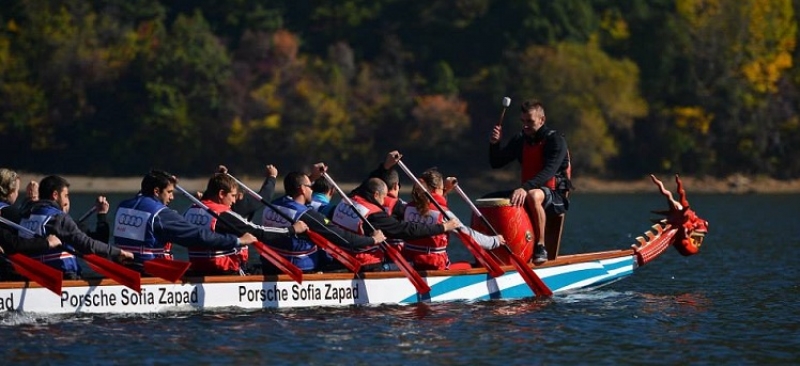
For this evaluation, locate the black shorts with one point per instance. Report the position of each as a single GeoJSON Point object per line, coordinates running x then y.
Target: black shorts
{"type": "Point", "coordinates": [555, 202]}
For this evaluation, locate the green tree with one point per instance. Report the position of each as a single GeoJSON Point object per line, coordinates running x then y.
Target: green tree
{"type": "Point", "coordinates": [589, 96]}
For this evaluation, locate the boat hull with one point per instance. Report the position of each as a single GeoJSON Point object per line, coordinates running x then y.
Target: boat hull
{"type": "Point", "coordinates": [568, 273]}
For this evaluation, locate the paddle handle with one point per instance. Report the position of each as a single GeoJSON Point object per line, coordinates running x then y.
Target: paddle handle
{"type": "Point", "coordinates": [279, 261]}
{"type": "Point", "coordinates": [474, 209]}
{"type": "Point", "coordinates": [117, 272]}
{"type": "Point", "coordinates": [405, 267]}
{"type": "Point", "coordinates": [479, 252]}
{"type": "Point", "coordinates": [17, 226]}
{"type": "Point", "coordinates": [265, 202]}
{"type": "Point", "coordinates": [203, 206]}
{"type": "Point", "coordinates": [502, 115]}
{"type": "Point", "coordinates": [428, 194]}
{"type": "Point", "coordinates": [87, 214]}
{"type": "Point", "coordinates": [506, 103]}
{"type": "Point", "coordinates": [347, 199]}
{"type": "Point", "coordinates": [281, 213]}
{"type": "Point", "coordinates": [347, 260]}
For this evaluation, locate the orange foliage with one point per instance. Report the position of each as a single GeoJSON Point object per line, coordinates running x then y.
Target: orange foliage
{"type": "Point", "coordinates": [438, 115]}
{"type": "Point", "coordinates": [286, 46]}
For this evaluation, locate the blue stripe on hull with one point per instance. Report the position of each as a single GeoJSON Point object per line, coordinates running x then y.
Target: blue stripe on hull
{"type": "Point", "coordinates": [609, 271]}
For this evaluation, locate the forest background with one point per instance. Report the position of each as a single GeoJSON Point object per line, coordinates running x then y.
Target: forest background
{"type": "Point", "coordinates": [704, 88]}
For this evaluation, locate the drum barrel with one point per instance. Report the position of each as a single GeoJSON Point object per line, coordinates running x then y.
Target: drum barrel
{"type": "Point", "coordinates": [510, 221]}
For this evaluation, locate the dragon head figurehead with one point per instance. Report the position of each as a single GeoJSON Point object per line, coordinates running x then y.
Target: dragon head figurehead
{"type": "Point", "coordinates": [691, 229]}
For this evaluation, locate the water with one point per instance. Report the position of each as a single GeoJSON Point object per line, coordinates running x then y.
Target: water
{"type": "Point", "coordinates": [734, 303]}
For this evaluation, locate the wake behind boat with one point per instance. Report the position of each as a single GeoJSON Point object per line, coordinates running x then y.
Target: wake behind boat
{"type": "Point", "coordinates": [681, 228]}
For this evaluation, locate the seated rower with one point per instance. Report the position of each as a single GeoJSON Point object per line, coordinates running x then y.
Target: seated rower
{"type": "Point", "coordinates": [220, 195]}
{"type": "Point", "coordinates": [369, 199]}
{"type": "Point", "coordinates": [322, 192]}
{"type": "Point", "coordinates": [300, 250]}
{"type": "Point", "coordinates": [145, 225]}
{"type": "Point", "coordinates": [431, 253]}
{"type": "Point", "coordinates": [247, 206]}
{"type": "Point", "coordinates": [49, 215]}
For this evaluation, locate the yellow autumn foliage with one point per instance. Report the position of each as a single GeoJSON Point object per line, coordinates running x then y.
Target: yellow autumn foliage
{"type": "Point", "coordinates": [694, 119]}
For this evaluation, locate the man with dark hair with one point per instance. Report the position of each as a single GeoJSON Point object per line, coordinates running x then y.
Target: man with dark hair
{"type": "Point", "coordinates": [299, 249]}
{"type": "Point", "coordinates": [146, 226]}
{"type": "Point", "coordinates": [220, 195]}
{"type": "Point", "coordinates": [49, 215]}
{"type": "Point", "coordinates": [246, 205]}
{"type": "Point", "coordinates": [543, 155]}
{"type": "Point", "coordinates": [369, 199]}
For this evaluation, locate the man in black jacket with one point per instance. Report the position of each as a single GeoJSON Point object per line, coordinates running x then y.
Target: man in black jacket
{"type": "Point", "coordinates": [48, 216]}
{"type": "Point", "coordinates": [369, 199]}
{"type": "Point", "coordinates": [300, 249]}
{"type": "Point", "coordinates": [542, 153]}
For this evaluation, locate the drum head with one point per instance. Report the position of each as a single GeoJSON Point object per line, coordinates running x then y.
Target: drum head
{"type": "Point", "coordinates": [492, 202]}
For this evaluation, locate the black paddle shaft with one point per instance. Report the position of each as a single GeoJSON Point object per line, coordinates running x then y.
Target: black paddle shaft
{"type": "Point", "coordinates": [283, 214]}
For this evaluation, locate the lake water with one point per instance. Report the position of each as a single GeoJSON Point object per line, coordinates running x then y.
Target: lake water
{"type": "Point", "coordinates": [734, 303]}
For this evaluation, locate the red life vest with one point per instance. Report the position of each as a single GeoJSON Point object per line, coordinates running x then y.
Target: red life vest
{"type": "Point", "coordinates": [533, 162]}
{"type": "Point", "coordinates": [208, 260]}
{"type": "Point", "coordinates": [428, 253]}
{"type": "Point", "coordinates": [389, 202]}
{"type": "Point", "coordinates": [344, 216]}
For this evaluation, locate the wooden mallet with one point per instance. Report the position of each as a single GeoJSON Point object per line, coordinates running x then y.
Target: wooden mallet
{"type": "Point", "coordinates": [506, 103]}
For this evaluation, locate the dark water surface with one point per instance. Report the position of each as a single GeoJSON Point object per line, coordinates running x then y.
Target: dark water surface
{"type": "Point", "coordinates": [734, 303]}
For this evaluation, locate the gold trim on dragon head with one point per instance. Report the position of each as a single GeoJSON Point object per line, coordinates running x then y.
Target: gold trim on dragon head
{"type": "Point", "coordinates": [693, 229]}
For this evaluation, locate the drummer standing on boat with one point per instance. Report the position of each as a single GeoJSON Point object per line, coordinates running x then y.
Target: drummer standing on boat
{"type": "Point", "coordinates": [542, 152]}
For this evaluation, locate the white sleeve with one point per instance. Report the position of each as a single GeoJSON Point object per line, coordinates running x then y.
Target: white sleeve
{"type": "Point", "coordinates": [485, 241]}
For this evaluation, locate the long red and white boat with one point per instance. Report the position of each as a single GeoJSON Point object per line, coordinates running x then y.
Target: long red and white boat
{"type": "Point", "coordinates": [681, 228]}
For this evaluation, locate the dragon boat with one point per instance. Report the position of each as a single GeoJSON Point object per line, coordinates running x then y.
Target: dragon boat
{"type": "Point", "coordinates": [680, 227]}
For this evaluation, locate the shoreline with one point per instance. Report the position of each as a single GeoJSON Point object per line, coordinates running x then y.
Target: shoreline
{"type": "Point", "coordinates": [736, 184]}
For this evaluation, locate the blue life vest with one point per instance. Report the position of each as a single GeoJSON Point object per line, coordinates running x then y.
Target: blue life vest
{"type": "Point", "coordinates": [299, 250]}
{"type": "Point", "coordinates": [57, 258]}
{"type": "Point", "coordinates": [133, 228]}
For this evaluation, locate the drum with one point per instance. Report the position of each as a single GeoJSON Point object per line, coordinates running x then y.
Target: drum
{"type": "Point", "coordinates": [510, 221]}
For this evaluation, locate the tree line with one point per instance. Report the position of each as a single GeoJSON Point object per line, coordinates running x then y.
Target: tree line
{"type": "Point", "coordinates": [115, 87]}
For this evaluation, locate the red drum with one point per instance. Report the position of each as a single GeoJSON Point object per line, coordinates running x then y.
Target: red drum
{"type": "Point", "coordinates": [511, 222]}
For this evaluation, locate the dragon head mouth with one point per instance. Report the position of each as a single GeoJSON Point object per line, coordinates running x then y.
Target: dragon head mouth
{"type": "Point", "coordinates": [692, 229]}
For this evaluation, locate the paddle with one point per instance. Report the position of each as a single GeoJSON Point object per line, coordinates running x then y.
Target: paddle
{"type": "Point", "coordinates": [483, 257]}
{"type": "Point", "coordinates": [272, 256]}
{"type": "Point", "coordinates": [87, 214]}
{"type": "Point", "coordinates": [46, 276]}
{"type": "Point", "coordinates": [394, 254]}
{"type": "Point", "coordinates": [536, 284]}
{"type": "Point", "coordinates": [123, 275]}
{"type": "Point", "coordinates": [167, 269]}
{"type": "Point", "coordinates": [334, 250]}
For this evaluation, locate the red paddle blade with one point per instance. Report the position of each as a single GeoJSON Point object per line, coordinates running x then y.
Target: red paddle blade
{"type": "Point", "coordinates": [123, 275]}
{"type": "Point", "coordinates": [483, 257]}
{"type": "Point", "coordinates": [531, 278]}
{"type": "Point", "coordinates": [279, 261]}
{"type": "Point", "coordinates": [167, 269]}
{"type": "Point", "coordinates": [46, 276]}
{"type": "Point", "coordinates": [335, 251]}
{"type": "Point", "coordinates": [405, 267]}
